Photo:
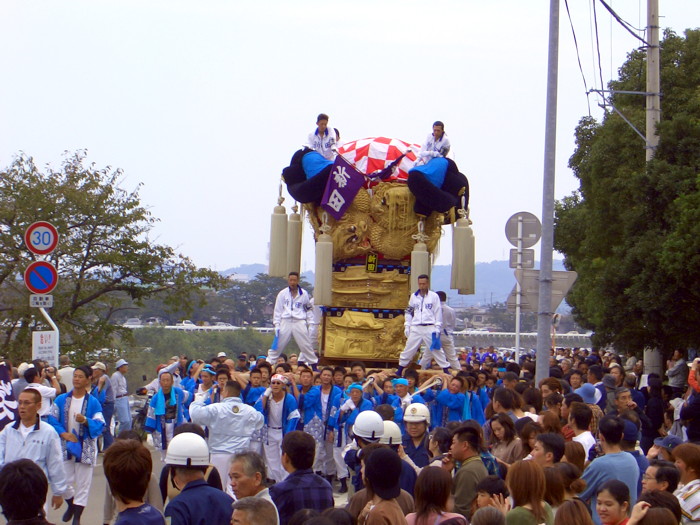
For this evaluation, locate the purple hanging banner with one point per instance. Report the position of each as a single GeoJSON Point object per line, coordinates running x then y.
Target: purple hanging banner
{"type": "Point", "coordinates": [343, 184]}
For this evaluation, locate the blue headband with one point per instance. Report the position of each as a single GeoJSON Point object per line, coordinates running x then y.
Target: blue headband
{"type": "Point", "coordinates": [209, 370]}
{"type": "Point", "coordinates": [399, 381]}
{"type": "Point", "coordinates": [354, 386]}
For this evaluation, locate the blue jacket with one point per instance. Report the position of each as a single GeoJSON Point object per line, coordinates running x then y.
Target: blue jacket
{"type": "Point", "coordinates": [199, 504]}
{"type": "Point", "coordinates": [314, 407]}
{"type": "Point", "coordinates": [290, 413]}
{"type": "Point", "coordinates": [251, 394]}
{"type": "Point", "coordinates": [473, 409]}
{"type": "Point", "coordinates": [342, 421]}
{"type": "Point", "coordinates": [87, 435]}
{"type": "Point", "coordinates": [154, 421]}
{"type": "Point", "coordinates": [450, 407]}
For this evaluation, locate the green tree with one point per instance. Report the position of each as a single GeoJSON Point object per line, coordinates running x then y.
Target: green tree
{"type": "Point", "coordinates": [632, 230]}
{"type": "Point", "coordinates": [105, 258]}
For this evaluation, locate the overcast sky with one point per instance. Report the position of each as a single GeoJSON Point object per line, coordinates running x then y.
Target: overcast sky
{"type": "Point", "coordinates": [204, 102]}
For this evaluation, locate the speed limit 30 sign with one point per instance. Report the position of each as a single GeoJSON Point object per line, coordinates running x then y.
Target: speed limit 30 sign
{"type": "Point", "coordinates": [41, 238]}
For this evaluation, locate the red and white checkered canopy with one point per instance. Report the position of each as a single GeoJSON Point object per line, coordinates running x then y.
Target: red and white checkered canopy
{"type": "Point", "coordinates": [376, 153]}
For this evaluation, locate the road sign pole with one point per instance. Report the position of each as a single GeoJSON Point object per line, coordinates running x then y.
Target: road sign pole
{"type": "Point", "coordinates": [52, 325]}
{"type": "Point", "coordinates": [518, 291]}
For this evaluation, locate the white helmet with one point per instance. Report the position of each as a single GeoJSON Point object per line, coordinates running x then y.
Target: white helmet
{"type": "Point", "coordinates": [368, 425]}
{"type": "Point", "coordinates": [187, 450]}
{"type": "Point", "coordinates": [392, 434]}
{"type": "Point", "coordinates": [417, 413]}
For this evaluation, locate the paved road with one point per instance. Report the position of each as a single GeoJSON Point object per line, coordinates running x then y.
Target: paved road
{"type": "Point", "coordinates": [93, 512]}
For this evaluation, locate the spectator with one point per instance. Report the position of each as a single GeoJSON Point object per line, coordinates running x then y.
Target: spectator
{"type": "Point", "coordinates": [121, 396]}
{"type": "Point", "coordinates": [382, 469]}
{"type": "Point", "coordinates": [549, 449]}
{"type": "Point", "coordinates": [127, 466]}
{"type": "Point", "coordinates": [505, 444]}
{"type": "Point", "coordinates": [247, 475]}
{"type": "Point", "coordinates": [198, 502]}
{"type": "Point", "coordinates": [439, 445]}
{"type": "Point", "coordinates": [526, 483]}
{"type": "Point", "coordinates": [662, 498]}
{"type": "Point", "coordinates": [677, 372]}
{"type": "Point", "coordinates": [688, 462]}
{"type": "Point", "coordinates": [571, 480]}
{"type": "Point", "coordinates": [554, 493]}
{"type": "Point", "coordinates": [488, 516]}
{"type": "Point", "coordinates": [574, 454]}
{"type": "Point", "coordinates": [65, 373]}
{"type": "Point", "coordinates": [253, 511]}
{"type": "Point", "coordinates": [31, 438]}
{"type": "Point", "coordinates": [489, 492]}
{"type": "Point", "coordinates": [528, 437]}
{"type": "Point", "coordinates": [580, 416]}
{"type": "Point", "coordinates": [338, 516]}
{"type": "Point", "coordinates": [551, 424]}
{"type": "Point", "coordinates": [153, 496]}
{"type": "Point", "coordinates": [103, 391]}
{"type": "Point", "coordinates": [661, 475]}
{"type": "Point", "coordinates": [629, 444]}
{"type": "Point", "coordinates": [466, 447]}
{"type": "Point", "coordinates": [663, 448]}
{"type": "Point", "coordinates": [652, 516]}
{"type": "Point", "coordinates": [433, 498]}
{"type": "Point", "coordinates": [23, 488]}
{"type": "Point", "coordinates": [614, 465]}
{"type": "Point", "coordinates": [613, 502]}
{"type": "Point", "coordinates": [168, 490]}
{"type": "Point", "coordinates": [573, 512]}
{"type": "Point", "coordinates": [301, 489]}
{"type": "Point", "coordinates": [361, 497]}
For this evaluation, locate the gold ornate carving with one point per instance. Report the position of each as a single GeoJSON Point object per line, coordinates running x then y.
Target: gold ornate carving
{"type": "Point", "coordinates": [360, 335]}
{"type": "Point", "coordinates": [357, 288]}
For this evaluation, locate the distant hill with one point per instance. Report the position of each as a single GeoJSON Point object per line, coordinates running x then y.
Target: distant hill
{"type": "Point", "coordinates": [494, 281]}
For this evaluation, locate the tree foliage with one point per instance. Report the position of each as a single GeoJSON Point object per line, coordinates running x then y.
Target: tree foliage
{"type": "Point", "coordinates": [632, 230]}
{"type": "Point", "coordinates": [105, 259]}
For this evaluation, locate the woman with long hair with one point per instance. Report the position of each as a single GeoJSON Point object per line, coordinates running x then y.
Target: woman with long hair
{"type": "Point", "coordinates": [433, 498]}
{"type": "Point", "coordinates": [554, 488]}
{"type": "Point", "coordinates": [550, 422]}
{"type": "Point", "coordinates": [571, 479]}
{"type": "Point", "coordinates": [505, 444]}
{"type": "Point", "coordinates": [574, 454]}
{"type": "Point", "coordinates": [573, 512]}
{"type": "Point", "coordinates": [528, 436]}
{"type": "Point", "coordinates": [613, 503]}
{"type": "Point", "coordinates": [527, 486]}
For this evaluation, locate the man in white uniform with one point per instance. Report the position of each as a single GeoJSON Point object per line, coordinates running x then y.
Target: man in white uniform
{"type": "Point", "coordinates": [31, 438]}
{"type": "Point", "coordinates": [231, 423]}
{"type": "Point", "coordinates": [436, 145]}
{"type": "Point", "coordinates": [423, 324]}
{"type": "Point", "coordinates": [292, 318]}
{"type": "Point", "coordinates": [446, 339]}
{"type": "Point", "coordinates": [324, 140]}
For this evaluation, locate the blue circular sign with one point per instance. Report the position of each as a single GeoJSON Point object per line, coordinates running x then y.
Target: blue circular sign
{"type": "Point", "coordinates": [41, 277]}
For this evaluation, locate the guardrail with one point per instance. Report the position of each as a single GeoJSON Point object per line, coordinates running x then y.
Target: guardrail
{"type": "Point", "coordinates": [190, 328]}
{"type": "Point", "coordinates": [481, 338]}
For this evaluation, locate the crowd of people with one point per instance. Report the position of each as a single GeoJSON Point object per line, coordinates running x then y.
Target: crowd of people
{"type": "Point", "coordinates": [248, 442]}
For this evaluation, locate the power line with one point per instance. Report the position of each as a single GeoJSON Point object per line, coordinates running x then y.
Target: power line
{"type": "Point", "coordinates": [578, 57]}
{"type": "Point", "coordinates": [628, 27]}
{"type": "Point", "coordinates": [597, 45]}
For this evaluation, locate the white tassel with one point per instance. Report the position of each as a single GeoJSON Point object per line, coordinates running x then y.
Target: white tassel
{"type": "Point", "coordinates": [420, 263]}
{"type": "Point", "coordinates": [462, 277]}
{"type": "Point", "coordinates": [294, 241]}
{"type": "Point", "coordinates": [420, 258]}
{"type": "Point", "coordinates": [278, 240]}
{"type": "Point", "coordinates": [324, 266]}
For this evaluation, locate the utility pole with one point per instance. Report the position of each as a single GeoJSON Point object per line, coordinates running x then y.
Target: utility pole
{"type": "Point", "coordinates": [544, 316]}
{"type": "Point", "coordinates": [653, 116]}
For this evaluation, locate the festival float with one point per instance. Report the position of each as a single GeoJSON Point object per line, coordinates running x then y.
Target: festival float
{"type": "Point", "coordinates": [377, 219]}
